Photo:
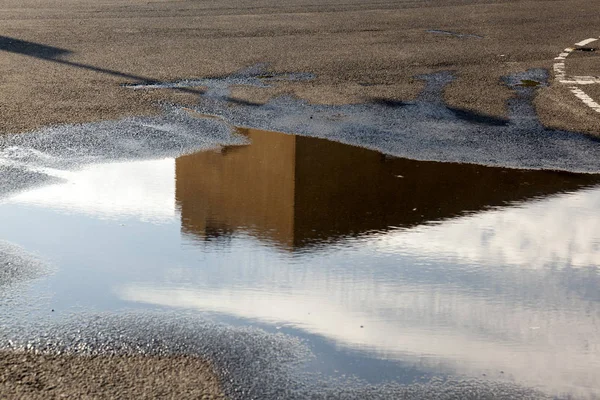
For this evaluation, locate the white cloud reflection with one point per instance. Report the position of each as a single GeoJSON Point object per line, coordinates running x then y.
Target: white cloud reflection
{"type": "Point", "coordinates": [141, 189]}
{"type": "Point", "coordinates": [563, 230]}
{"type": "Point", "coordinates": [490, 292]}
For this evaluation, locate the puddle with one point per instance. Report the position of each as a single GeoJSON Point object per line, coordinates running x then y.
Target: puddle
{"type": "Point", "coordinates": [529, 83]}
{"type": "Point", "coordinates": [347, 271]}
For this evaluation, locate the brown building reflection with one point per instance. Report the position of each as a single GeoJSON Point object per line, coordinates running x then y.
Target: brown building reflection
{"type": "Point", "coordinates": [297, 191]}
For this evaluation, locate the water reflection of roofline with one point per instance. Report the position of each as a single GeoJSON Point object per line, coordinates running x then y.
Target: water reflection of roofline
{"type": "Point", "coordinates": [299, 192]}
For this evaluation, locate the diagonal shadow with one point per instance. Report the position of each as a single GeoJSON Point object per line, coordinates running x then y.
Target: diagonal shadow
{"type": "Point", "coordinates": [389, 102]}
{"type": "Point", "coordinates": [31, 49]}
{"type": "Point", "coordinates": [460, 113]}
{"type": "Point", "coordinates": [54, 54]}
{"type": "Point", "coordinates": [477, 118]}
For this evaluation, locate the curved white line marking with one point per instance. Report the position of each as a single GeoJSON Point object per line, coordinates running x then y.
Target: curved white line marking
{"type": "Point", "coordinates": [560, 73]}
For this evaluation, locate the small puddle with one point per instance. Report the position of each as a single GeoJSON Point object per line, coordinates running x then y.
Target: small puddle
{"type": "Point", "coordinates": [529, 83]}
{"type": "Point", "coordinates": [390, 270]}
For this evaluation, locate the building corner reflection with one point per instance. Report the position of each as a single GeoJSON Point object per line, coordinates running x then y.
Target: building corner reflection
{"type": "Point", "coordinates": [297, 192]}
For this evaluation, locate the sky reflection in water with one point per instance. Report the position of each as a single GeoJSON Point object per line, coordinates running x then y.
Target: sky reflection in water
{"type": "Point", "coordinates": [451, 269]}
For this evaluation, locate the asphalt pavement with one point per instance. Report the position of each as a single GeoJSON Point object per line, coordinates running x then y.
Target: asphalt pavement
{"type": "Point", "coordinates": [64, 61]}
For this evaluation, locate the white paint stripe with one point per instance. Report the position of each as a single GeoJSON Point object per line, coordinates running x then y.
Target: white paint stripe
{"type": "Point", "coordinates": [559, 67]}
{"type": "Point", "coordinates": [575, 82]}
{"type": "Point", "coordinates": [559, 70]}
{"type": "Point", "coordinates": [581, 80]}
{"type": "Point", "coordinates": [560, 73]}
{"type": "Point", "coordinates": [565, 53]}
{"type": "Point", "coordinates": [587, 100]}
{"type": "Point", "coordinates": [586, 41]}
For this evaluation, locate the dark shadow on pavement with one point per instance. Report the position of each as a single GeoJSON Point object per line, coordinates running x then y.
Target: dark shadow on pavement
{"type": "Point", "coordinates": [389, 103]}
{"type": "Point", "coordinates": [53, 54]}
{"type": "Point", "coordinates": [462, 114]}
{"type": "Point", "coordinates": [477, 118]}
{"type": "Point", "coordinates": [243, 102]}
{"type": "Point", "coordinates": [31, 49]}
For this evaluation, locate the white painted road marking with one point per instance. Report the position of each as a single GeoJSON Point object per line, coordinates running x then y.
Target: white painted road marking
{"type": "Point", "coordinates": [587, 100]}
{"type": "Point", "coordinates": [560, 73]}
{"type": "Point", "coordinates": [564, 54]}
{"type": "Point", "coordinates": [586, 41]}
{"type": "Point", "coordinates": [581, 80]}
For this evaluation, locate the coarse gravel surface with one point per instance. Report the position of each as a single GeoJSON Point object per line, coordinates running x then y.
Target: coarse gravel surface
{"type": "Point", "coordinates": [26, 375]}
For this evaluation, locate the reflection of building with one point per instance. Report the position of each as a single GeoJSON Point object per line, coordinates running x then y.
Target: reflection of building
{"type": "Point", "coordinates": [298, 191]}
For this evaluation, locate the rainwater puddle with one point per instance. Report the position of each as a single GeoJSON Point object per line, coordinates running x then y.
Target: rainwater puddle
{"type": "Point", "coordinates": [391, 269]}
{"type": "Point", "coordinates": [529, 83]}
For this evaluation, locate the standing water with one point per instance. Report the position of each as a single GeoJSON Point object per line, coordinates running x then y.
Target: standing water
{"type": "Point", "coordinates": [389, 270]}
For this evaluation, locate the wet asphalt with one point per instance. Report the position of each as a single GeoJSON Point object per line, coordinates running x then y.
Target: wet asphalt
{"type": "Point", "coordinates": [64, 61]}
{"type": "Point", "coordinates": [439, 80]}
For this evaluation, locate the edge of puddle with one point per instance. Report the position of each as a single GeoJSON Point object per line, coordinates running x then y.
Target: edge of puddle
{"type": "Point", "coordinates": [250, 362]}
{"type": "Point", "coordinates": [426, 129]}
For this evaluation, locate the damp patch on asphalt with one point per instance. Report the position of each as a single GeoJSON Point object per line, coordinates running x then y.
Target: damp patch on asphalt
{"type": "Point", "coordinates": [426, 129]}
{"type": "Point", "coordinates": [173, 133]}
{"type": "Point", "coordinates": [15, 179]}
{"type": "Point", "coordinates": [251, 363]}
{"type": "Point", "coordinates": [256, 76]}
{"type": "Point", "coordinates": [37, 158]}
{"type": "Point", "coordinates": [17, 266]}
